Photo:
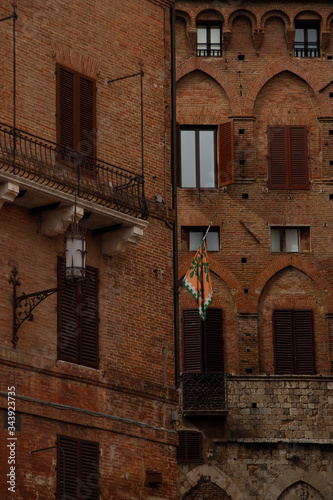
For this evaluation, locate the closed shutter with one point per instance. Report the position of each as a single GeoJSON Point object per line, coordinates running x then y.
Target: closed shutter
{"type": "Point", "coordinates": [68, 338]}
{"type": "Point", "coordinates": [192, 341]}
{"type": "Point", "coordinates": [89, 470]}
{"type": "Point", "coordinates": [66, 107]}
{"type": "Point", "coordinates": [86, 132]}
{"type": "Point", "coordinates": [88, 315]}
{"type": "Point", "coordinates": [304, 348]}
{"type": "Point", "coordinates": [278, 158]}
{"type": "Point", "coordinates": [283, 341]}
{"type": "Point", "coordinates": [213, 340]}
{"type": "Point", "coordinates": [226, 153]}
{"type": "Point", "coordinates": [298, 141]}
{"type": "Point", "coordinates": [190, 447]}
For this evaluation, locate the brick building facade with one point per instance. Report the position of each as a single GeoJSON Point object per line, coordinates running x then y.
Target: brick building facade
{"type": "Point", "coordinates": [255, 131]}
{"type": "Point", "coordinates": [92, 370]}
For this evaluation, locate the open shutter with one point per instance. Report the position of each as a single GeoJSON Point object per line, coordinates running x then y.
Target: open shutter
{"type": "Point", "coordinates": [213, 340]}
{"type": "Point", "coordinates": [278, 157]}
{"type": "Point", "coordinates": [304, 348]}
{"type": "Point", "coordinates": [65, 107]}
{"type": "Point", "coordinates": [192, 341]}
{"type": "Point", "coordinates": [283, 341]}
{"type": "Point", "coordinates": [68, 338]}
{"type": "Point", "coordinates": [226, 153]}
{"type": "Point", "coordinates": [88, 318]}
{"type": "Point", "coordinates": [87, 115]}
{"type": "Point", "coordinates": [89, 470]}
{"type": "Point", "coordinates": [298, 145]}
{"type": "Point", "coordinates": [67, 467]}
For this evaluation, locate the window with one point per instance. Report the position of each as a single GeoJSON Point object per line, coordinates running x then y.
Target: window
{"type": "Point", "coordinates": [192, 238]}
{"type": "Point", "coordinates": [293, 341]}
{"type": "Point", "coordinates": [78, 319]}
{"type": "Point", "coordinates": [77, 468]}
{"type": "Point", "coordinates": [290, 239]}
{"type": "Point", "coordinates": [209, 41]}
{"type": "Point", "coordinates": [307, 38]}
{"type": "Point", "coordinates": [190, 447]}
{"type": "Point", "coordinates": [203, 151]}
{"type": "Point", "coordinates": [288, 157]}
{"type": "Point", "coordinates": [76, 111]}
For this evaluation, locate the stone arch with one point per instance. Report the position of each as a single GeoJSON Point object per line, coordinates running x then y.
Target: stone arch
{"type": "Point", "coordinates": [275, 13]}
{"type": "Point", "coordinates": [313, 478]}
{"type": "Point", "coordinates": [277, 67]}
{"type": "Point", "coordinates": [243, 12]}
{"type": "Point", "coordinates": [215, 475]}
{"type": "Point", "coordinates": [301, 490]}
{"type": "Point", "coordinates": [197, 63]}
{"type": "Point", "coordinates": [299, 263]}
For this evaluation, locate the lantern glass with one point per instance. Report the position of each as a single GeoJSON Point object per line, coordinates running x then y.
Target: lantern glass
{"type": "Point", "coordinates": [75, 256]}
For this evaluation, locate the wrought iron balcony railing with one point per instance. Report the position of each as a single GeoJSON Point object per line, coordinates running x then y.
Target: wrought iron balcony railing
{"type": "Point", "coordinates": [63, 169]}
{"type": "Point", "coordinates": [204, 391]}
{"type": "Point", "coordinates": [209, 50]}
{"type": "Point", "coordinates": [306, 49]}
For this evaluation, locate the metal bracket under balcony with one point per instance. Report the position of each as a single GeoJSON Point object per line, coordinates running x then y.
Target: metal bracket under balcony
{"type": "Point", "coordinates": [62, 172]}
{"type": "Point", "coordinates": [205, 393]}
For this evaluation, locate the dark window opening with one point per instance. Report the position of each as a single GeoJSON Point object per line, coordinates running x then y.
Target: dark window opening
{"type": "Point", "coordinates": [209, 40]}
{"type": "Point", "coordinates": [290, 239]}
{"type": "Point", "coordinates": [307, 38]}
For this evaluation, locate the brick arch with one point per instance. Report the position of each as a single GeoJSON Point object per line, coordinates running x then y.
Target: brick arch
{"type": "Point", "coordinates": [275, 13]}
{"type": "Point", "coordinates": [274, 69]}
{"type": "Point", "coordinates": [310, 11]}
{"type": "Point", "coordinates": [328, 22]}
{"type": "Point", "coordinates": [197, 63]}
{"type": "Point", "coordinates": [222, 272]}
{"type": "Point", "coordinates": [216, 476]}
{"type": "Point", "coordinates": [313, 478]}
{"type": "Point", "coordinates": [299, 263]}
{"type": "Point", "coordinates": [185, 16]}
{"type": "Point", "coordinates": [203, 11]}
{"type": "Point", "coordinates": [243, 12]}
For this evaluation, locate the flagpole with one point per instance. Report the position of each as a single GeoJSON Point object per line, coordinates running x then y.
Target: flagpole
{"type": "Point", "coordinates": [203, 239]}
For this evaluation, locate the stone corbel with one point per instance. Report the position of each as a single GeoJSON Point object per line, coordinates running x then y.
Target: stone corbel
{"type": "Point", "coordinates": [290, 37]}
{"type": "Point", "coordinates": [226, 37]}
{"type": "Point", "coordinates": [56, 221]}
{"type": "Point", "coordinates": [8, 192]}
{"type": "Point", "coordinates": [116, 242]}
{"type": "Point", "coordinates": [325, 38]}
{"type": "Point", "coordinates": [258, 37]}
{"type": "Point", "coordinates": [192, 36]}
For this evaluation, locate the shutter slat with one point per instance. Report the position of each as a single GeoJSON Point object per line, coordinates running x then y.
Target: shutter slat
{"type": "Point", "coordinates": [299, 178]}
{"type": "Point", "coordinates": [89, 321]}
{"type": "Point", "coordinates": [305, 362]}
{"type": "Point", "coordinates": [67, 467]}
{"type": "Point", "coordinates": [226, 153]}
{"type": "Point", "coordinates": [213, 340]}
{"type": "Point", "coordinates": [87, 91]}
{"type": "Point", "coordinates": [65, 107]}
{"type": "Point", "coordinates": [277, 151]}
{"type": "Point", "coordinates": [283, 341]}
{"type": "Point", "coordinates": [192, 341]}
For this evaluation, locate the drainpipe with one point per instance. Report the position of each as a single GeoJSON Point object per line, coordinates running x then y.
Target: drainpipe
{"type": "Point", "coordinates": [174, 195]}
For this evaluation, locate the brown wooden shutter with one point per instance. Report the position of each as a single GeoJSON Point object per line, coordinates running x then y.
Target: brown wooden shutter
{"type": "Point", "coordinates": [192, 341]}
{"type": "Point", "coordinates": [86, 121]}
{"type": "Point", "coordinates": [68, 338]}
{"type": "Point", "coordinates": [304, 346]}
{"type": "Point", "coordinates": [278, 157]}
{"type": "Point", "coordinates": [65, 107]}
{"type": "Point", "coordinates": [190, 447]}
{"type": "Point", "coordinates": [298, 145]}
{"type": "Point", "coordinates": [283, 341]}
{"type": "Point", "coordinates": [213, 340]}
{"type": "Point", "coordinates": [89, 470]}
{"type": "Point", "coordinates": [226, 153]}
{"type": "Point", "coordinates": [88, 317]}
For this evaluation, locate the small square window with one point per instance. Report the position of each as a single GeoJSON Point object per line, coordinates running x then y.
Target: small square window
{"type": "Point", "coordinates": [192, 238]}
{"type": "Point", "coordinates": [307, 38]}
{"type": "Point", "coordinates": [209, 41]}
{"type": "Point", "coordinates": [290, 239]}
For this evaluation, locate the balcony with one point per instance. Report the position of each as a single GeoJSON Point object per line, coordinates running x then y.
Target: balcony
{"type": "Point", "coordinates": [306, 49]}
{"type": "Point", "coordinates": [209, 50]}
{"type": "Point", "coordinates": [205, 393]}
{"type": "Point", "coordinates": [49, 179]}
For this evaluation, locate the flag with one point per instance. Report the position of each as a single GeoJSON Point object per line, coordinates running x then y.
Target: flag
{"type": "Point", "coordinates": [197, 279]}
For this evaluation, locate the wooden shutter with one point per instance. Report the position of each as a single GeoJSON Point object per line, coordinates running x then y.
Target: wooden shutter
{"type": "Point", "coordinates": [213, 340]}
{"type": "Point", "coordinates": [65, 107]}
{"type": "Point", "coordinates": [88, 318]}
{"type": "Point", "coordinates": [86, 121]}
{"type": "Point", "coordinates": [68, 338]}
{"type": "Point", "coordinates": [192, 341]}
{"type": "Point", "coordinates": [226, 153]}
{"type": "Point", "coordinates": [190, 447]}
{"type": "Point", "coordinates": [283, 341]}
{"type": "Point", "coordinates": [304, 348]}
{"type": "Point", "coordinates": [298, 150]}
{"type": "Point", "coordinates": [278, 157]}
{"type": "Point", "coordinates": [89, 470]}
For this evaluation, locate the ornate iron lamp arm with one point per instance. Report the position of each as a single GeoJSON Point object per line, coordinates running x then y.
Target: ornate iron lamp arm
{"type": "Point", "coordinates": [24, 304]}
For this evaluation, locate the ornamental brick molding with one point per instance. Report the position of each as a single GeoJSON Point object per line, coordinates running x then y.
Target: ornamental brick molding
{"type": "Point", "coordinates": [275, 13]}
{"type": "Point", "coordinates": [274, 69]}
{"type": "Point", "coordinates": [295, 475]}
{"type": "Point", "coordinates": [197, 63]}
{"type": "Point", "coordinates": [299, 263]}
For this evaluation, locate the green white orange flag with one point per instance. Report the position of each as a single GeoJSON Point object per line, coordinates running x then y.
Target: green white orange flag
{"type": "Point", "coordinates": [197, 279]}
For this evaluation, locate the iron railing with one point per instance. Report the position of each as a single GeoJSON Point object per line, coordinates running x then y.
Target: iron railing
{"type": "Point", "coordinates": [45, 162]}
{"type": "Point", "coordinates": [306, 49]}
{"type": "Point", "coordinates": [205, 391]}
{"type": "Point", "coordinates": [209, 50]}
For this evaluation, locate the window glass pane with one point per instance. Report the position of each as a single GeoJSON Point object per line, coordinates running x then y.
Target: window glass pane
{"type": "Point", "coordinates": [276, 240]}
{"type": "Point", "coordinates": [215, 36]}
{"type": "Point", "coordinates": [312, 35]}
{"type": "Point", "coordinates": [299, 35]}
{"type": "Point", "coordinates": [188, 177]}
{"type": "Point", "coordinates": [195, 239]}
{"type": "Point", "coordinates": [212, 241]}
{"type": "Point", "coordinates": [207, 158]}
{"type": "Point", "coordinates": [201, 34]}
{"type": "Point", "coordinates": [291, 240]}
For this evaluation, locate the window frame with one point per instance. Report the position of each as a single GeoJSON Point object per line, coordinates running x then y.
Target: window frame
{"type": "Point", "coordinates": [208, 50]}
{"type": "Point", "coordinates": [185, 236]}
{"type": "Point", "coordinates": [303, 238]}
{"type": "Point", "coordinates": [305, 25]}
